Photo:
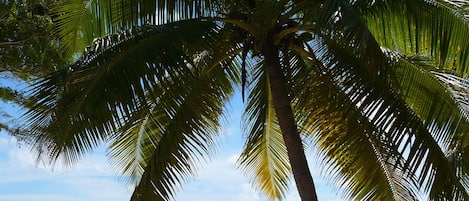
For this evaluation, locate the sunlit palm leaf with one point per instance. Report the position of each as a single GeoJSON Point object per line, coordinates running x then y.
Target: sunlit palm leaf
{"type": "Point", "coordinates": [426, 91]}
{"type": "Point", "coordinates": [76, 25]}
{"type": "Point", "coordinates": [264, 158]}
{"type": "Point", "coordinates": [354, 80]}
{"type": "Point", "coordinates": [436, 162]}
{"type": "Point", "coordinates": [359, 150]}
{"type": "Point", "coordinates": [358, 153]}
{"type": "Point", "coordinates": [79, 22]}
{"type": "Point", "coordinates": [132, 148]}
{"type": "Point", "coordinates": [428, 31]}
{"type": "Point", "coordinates": [435, 29]}
{"type": "Point", "coordinates": [458, 87]}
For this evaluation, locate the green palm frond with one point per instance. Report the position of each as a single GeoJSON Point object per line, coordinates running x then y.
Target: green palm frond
{"type": "Point", "coordinates": [458, 88]}
{"type": "Point", "coordinates": [379, 86]}
{"type": "Point", "coordinates": [139, 138]}
{"type": "Point", "coordinates": [435, 29]}
{"type": "Point", "coordinates": [434, 161]}
{"type": "Point", "coordinates": [341, 27]}
{"type": "Point", "coordinates": [180, 133]}
{"type": "Point", "coordinates": [419, 84]}
{"type": "Point", "coordinates": [437, 98]}
{"type": "Point", "coordinates": [75, 109]}
{"type": "Point", "coordinates": [434, 90]}
{"type": "Point", "coordinates": [426, 147]}
{"type": "Point", "coordinates": [76, 25]}
{"type": "Point", "coordinates": [78, 22]}
{"type": "Point", "coordinates": [357, 152]}
{"type": "Point", "coordinates": [354, 80]}
{"type": "Point", "coordinates": [264, 159]}
{"type": "Point", "coordinates": [131, 150]}
{"type": "Point", "coordinates": [418, 146]}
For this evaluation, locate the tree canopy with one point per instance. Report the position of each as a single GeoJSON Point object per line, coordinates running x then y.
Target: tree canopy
{"type": "Point", "coordinates": [27, 50]}
{"type": "Point", "coordinates": [378, 87]}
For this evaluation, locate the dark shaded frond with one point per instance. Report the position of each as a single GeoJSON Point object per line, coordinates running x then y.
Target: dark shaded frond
{"type": "Point", "coordinates": [415, 142]}
{"type": "Point", "coordinates": [75, 109]}
{"type": "Point", "coordinates": [181, 135]}
{"type": "Point", "coordinates": [196, 99]}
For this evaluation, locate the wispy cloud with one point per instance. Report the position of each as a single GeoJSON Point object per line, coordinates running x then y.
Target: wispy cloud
{"type": "Point", "coordinates": [93, 179]}
{"type": "Point", "coordinates": [23, 180]}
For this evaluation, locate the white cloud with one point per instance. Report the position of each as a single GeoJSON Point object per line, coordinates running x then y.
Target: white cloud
{"type": "Point", "coordinates": [248, 193]}
{"type": "Point", "coordinates": [220, 180]}
{"type": "Point", "coordinates": [92, 178]}
{"type": "Point", "coordinates": [22, 158]}
{"type": "Point", "coordinates": [3, 142]}
{"type": "Point", "coordinates": [24, 180]}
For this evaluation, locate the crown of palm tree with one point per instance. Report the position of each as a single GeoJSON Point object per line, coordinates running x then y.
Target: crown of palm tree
{"type": "Point", "coordinates": [377, 86]}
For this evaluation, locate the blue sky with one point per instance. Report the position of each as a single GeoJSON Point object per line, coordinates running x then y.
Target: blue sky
{"type": "Point", "coordinates": [22, 179]}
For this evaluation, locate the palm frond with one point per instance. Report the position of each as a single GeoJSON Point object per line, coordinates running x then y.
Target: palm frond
{"type": "Point", "coordinates": [458, 87]}
{"type": "Point", "coordinates": [423, 144]}
{"type": "Point", "coordinates": [357, 152]}
{"type": "Point", "coordinates": [435, 29]}
{"type": "Point", "coordinates": [75, 109]}
{"type": "Point", "coordinates": [341, 24]}
{"type": "Point", "coordinates": [78, 22]}
{"type": "Point", "coordinates": [138, 138]}
{"type": "Point", "coordinates": [398, 123]}
{"type": "Point", "coordinates": [419, 83]}
{"type": "Point", "coordinates": [264, 158]}
{"type": "Point", "coordinates": [76, 26]}
{"type": "Point", "coordinates": [437, 98]}
{"type": "Point", "coordinates": [162, 117]}
{"type": "Point", "coordinates": [132, 148]}
{"type": "Point", "coordinates": [181, 132]}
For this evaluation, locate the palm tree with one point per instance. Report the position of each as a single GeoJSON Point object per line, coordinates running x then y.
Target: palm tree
{"type": "Point", "coordinates": [376, 86]}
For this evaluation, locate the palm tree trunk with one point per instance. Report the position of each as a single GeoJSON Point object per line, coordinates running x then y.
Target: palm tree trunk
{"type": "Point", "coordinates": [302, 175]}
